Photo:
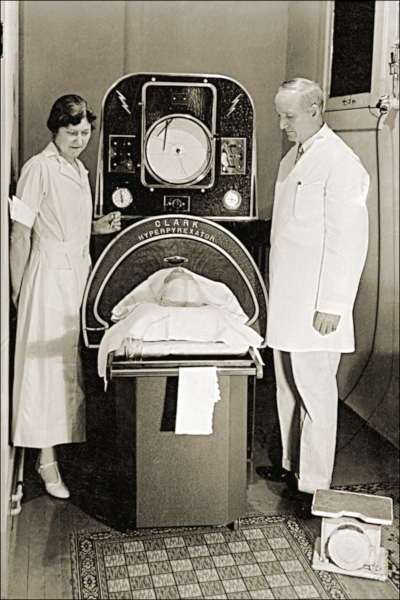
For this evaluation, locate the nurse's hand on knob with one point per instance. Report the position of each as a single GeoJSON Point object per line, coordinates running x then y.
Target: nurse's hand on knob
{"type": "Point", "coordinates": [108, 224]}
{"type": "Point", "coordinates": [326, 323]}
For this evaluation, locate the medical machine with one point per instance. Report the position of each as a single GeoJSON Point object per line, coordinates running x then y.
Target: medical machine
{"type": "Point", "coordinates": [176, 306]}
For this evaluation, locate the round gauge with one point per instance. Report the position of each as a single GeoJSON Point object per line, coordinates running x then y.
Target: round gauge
{"type": "Point", "coordinates": [232, 200]}
{"type": "Point", "coordinates": [178, 150]}
{"type": "Point", "coordinates": [122, 197]}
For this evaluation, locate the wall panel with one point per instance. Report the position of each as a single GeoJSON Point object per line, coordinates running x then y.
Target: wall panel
{"type": "Point", "coordinates": [9, 136]}
{"type": "Point", "coordinates": [242, 40]}
{"type": "Point", "coordinates": [67, 47]}
{"type": "Point", "coordinates": [84, 47]}
{"type": "Point", "coordinates": [368, 378]}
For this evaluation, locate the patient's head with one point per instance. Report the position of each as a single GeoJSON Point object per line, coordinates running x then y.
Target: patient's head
{"type": "Point", "coordinates": [181, 289]}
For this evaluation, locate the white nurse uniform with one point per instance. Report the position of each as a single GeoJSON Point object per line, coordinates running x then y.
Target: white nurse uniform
{"type": "Point", "coordinates": [54, 200]}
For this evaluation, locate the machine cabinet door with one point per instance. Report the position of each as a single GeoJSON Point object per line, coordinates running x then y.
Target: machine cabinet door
{"type": "Point", "coordinates": [184, 479]}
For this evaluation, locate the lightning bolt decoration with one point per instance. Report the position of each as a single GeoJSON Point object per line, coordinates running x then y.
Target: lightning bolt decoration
{"type": "Point", "coordinates": [123, 102]}
{"type": "Point", "coordinates": [233, 105]}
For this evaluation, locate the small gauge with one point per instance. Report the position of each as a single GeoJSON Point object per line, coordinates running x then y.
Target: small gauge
{"type": "Point", "coordinates": [232, 200]}
{"type": "Point", "coordinates": [122, 197]}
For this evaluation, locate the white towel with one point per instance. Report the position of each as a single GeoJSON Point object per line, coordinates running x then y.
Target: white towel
{"type": "Point", "coordinates": [198, 391]}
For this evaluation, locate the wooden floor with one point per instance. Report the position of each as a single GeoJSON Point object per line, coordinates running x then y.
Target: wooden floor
{"type": "Point", "coordinates": [40, 562]}
{"type": "Point", "coordinates": [40, 552]}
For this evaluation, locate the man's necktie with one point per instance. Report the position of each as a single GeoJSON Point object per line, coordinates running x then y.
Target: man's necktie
{"type": "Point", "coordinates": [300, 151]}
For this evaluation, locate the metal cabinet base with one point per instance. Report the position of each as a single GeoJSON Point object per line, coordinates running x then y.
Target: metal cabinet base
{"type": "Point", "coordinates": [183, 479]}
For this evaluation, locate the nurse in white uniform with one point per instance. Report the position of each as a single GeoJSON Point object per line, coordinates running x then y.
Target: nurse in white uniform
{"type": "Point", "coordinates": [49, 254]}
{"type": "Point", "coordinates": [319, 241]}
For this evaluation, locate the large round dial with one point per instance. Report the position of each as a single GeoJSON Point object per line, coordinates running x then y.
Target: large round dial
{"type": "Point", "coordinates": [122, 197]}
{"type": "Point", "coordinates": [178, 150]}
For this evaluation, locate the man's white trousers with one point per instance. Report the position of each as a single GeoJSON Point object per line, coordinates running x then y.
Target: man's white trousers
{"type": "Point", "coordinates": [307, 398]}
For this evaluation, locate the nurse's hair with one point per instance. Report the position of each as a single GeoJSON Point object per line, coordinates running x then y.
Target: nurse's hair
{"type": "Point", "coordinates": [310, 91]}
{"type": "Point", "coordinates": [69, 110]}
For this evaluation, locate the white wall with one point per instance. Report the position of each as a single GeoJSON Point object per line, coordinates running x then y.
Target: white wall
{"type": "Point", "coordinates": [368, 378]}
{"type": "Point", "coordinates": [66, 47]}
{"type": "Point", "coordinates": [84, 47]}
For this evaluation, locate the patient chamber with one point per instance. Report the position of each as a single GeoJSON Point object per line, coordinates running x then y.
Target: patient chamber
{"type": "Point", "coordinates": [179, 479]}
{"type": "Point", "coordinates": [176, 306]}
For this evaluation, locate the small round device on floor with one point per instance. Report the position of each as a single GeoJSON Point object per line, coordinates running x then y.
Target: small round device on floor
{"type": "Point", "coordinates": [350, 541]}
{"type": "Point", "coordinates": [349, 547]}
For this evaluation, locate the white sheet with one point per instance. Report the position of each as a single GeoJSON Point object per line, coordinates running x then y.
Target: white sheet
{"type": "Point", "coordinates": [151, 322]}
{"type": "Point", "coordinates": [221, 321]}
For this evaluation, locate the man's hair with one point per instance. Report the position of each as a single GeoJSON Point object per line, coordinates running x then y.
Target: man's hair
{"type": "Point", "coordinates": [310, 91]}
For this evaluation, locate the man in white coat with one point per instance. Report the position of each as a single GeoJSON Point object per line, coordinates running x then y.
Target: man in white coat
{"type": "Point", "coordinates": [319, 241]}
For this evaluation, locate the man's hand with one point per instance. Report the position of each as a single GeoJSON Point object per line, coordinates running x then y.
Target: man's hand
{"type": "Point", "coordinates": [108, 224]}
{"type": "Point", "coordinates": [326, 323]}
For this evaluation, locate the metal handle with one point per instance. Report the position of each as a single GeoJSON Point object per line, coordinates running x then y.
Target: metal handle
{"type": "Point", "coordinates": [175, 260]}
{"type": "Point", "coordinates": [255, 355]}
{"type": "Point", "coordinates": [173, 372]}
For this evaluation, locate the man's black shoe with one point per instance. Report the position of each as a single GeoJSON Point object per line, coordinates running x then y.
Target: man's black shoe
{"type": "Point", "coordinates": [303, 503]}
{"type": "Point", "coordinates": [277, 474]}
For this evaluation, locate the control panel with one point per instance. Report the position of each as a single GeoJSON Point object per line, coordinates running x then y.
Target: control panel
{"type": "Point", "coordinates": [177, 143]}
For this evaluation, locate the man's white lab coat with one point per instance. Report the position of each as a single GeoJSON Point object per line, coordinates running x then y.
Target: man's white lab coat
{"type": "Point", "coordinates": [319, 241]}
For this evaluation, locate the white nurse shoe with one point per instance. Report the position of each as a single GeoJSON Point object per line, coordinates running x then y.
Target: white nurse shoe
{"type": "Point", "coordinates": [52, 480]}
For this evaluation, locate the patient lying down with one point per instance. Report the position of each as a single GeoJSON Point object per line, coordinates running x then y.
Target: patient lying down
{"type": "Point", "coordinates": [179, 312]}
{"type": "Point", "coordinates": [180, 288]}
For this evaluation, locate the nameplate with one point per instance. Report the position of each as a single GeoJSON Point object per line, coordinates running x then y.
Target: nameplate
{"type": "Point", "coordinates": [176, 226]}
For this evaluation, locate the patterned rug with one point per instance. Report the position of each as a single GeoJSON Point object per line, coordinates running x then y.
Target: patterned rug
{"type": "Point", "coordinates": [269, 557]}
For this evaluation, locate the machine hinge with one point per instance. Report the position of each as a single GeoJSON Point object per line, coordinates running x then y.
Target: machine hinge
{"type": "Point", "coordinates": [1, 39]}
